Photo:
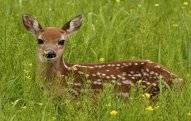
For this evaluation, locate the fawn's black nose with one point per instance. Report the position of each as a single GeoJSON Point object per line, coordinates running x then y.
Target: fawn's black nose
{"type": "Point", "coordinates": [50, 54]}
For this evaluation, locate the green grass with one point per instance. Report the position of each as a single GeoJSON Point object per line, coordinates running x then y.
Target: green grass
{"type": "Point", "coordinates": [131, 29]}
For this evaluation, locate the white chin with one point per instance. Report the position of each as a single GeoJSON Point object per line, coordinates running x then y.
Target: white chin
{"type": "Point", "coordinates": [50, 59]}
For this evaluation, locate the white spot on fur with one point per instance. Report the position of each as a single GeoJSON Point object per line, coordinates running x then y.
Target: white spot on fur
{"type": "Point", "coordinates": [107, 70]}
{"type": "Point", "coordinates": [124, 73]}
{"type": "Point", "coordinates": [109, 65]}
{"type": "Point", "coordinates": [126, 82]}
{"type": "Point", "coordinates": [118, 65]}
{"type": "Point", "coordinates": [99, 80]}
{"type": "Point", "coordinates": [147, 69]}
{"type": "Point", "coordinates": [132, 77]}
{"type": "Point", "coordinates": [94, 75]}
{"type": "Point", "coordinates": [98, 73]}
{"type": "Point", "coordinates": [112, 76]}
{"type": "Point", "coordinates": [157, 66]}
{"type": "Point", "coordinates": [107, 77]}
{"type": "Point", "coordinates": [97, 83]}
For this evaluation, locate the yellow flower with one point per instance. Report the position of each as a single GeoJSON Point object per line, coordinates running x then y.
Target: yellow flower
{"type": "Point", "coordinates": [146, 95]}
{"type": "Point", "coordinates": [150, 108]}
{"type": "Point", "coordinates": [189, 113]}
{"type": "Point", "coordinates": [157, 5]}
{"type": "Point", "coordinates": [113, 113]}
{"type": "Point", "coordinates": [185, 3]}
{"type": "Point", "coordinates": [45, 52]}
{"type": "Point", "coordinates": [102, 60]}
{"type": "Point", "coordinates": [118, 1]}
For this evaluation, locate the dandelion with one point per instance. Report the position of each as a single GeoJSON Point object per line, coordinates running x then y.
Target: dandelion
{"type": "Point", "coordinates": [102, 60]}
{"type": "Point", "coordinates": [118, 1]}
{"type": "Point", "coordinates": [185, 3]}
{"type": "Point", "coordinates": [146, 95]}
{"type": "Point", "coordinates": [113, 113]}
{"type": "Point", "coordinates": [157, 5]}
{"type": "Point", "coordinates": [150, 108]}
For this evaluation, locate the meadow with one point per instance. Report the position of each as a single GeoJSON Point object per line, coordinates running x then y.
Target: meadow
{"type": "Point", "coordinates": [158, 30]}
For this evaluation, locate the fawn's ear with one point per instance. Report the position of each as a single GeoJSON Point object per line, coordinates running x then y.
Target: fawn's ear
{"type": "Point", "coordinates": [74, 24]}
{"type": "Point", "coordinates": [31, 24]}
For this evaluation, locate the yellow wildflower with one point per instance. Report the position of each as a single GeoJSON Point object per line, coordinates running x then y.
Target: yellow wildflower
{"type": "Point", "coordinates": [146, 95]}
{"type": "Point", "coordinates": [118, 1]}
{"type": "Point", "coordinates": [185, 3]}
{"type": "Point", "coordinates": [157, 4]}
{"type": "Point", "coordinates": [150, 108]}
{"type": "Point", "coordinates": [102, 60]}
{"type": "Point", "coordinates": [45, 52]}
{"type": "Point", "coordinates": [189, 113]}
{"type": "Point", "coordinates": [113, 113]}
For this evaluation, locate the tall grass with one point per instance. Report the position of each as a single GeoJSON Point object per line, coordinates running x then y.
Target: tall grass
{"type": "Point", "coordinates": [157, 30]}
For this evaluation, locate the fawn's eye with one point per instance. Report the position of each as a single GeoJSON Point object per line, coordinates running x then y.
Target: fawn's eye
{"type": "Point", "coordinates": [40, 41]}
{"type": "Point", "coordinates": [61, 42]}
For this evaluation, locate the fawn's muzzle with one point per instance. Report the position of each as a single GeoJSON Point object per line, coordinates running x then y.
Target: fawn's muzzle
{"type": "Point", "coordinates": [49, 54]}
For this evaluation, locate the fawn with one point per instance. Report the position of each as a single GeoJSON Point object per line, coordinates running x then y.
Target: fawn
{"type": "Point", "coordinates": [123, 74]}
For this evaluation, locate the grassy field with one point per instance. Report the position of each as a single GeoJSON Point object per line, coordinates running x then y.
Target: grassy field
{"type": "Point", "coordinates": [158, 30]}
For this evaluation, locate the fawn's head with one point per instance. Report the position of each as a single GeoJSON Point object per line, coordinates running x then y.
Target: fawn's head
{"type": "Point", "coordinates": [51, 39]}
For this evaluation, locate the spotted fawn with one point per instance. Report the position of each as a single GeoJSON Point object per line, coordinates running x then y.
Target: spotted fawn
{"type": "Point", "coordinates": [123, 74]}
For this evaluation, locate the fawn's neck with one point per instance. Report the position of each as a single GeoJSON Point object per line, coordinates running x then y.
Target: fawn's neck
{"type": "Point", "coordinates": [52, 70]}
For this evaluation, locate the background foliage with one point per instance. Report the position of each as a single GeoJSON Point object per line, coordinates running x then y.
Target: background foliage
{"type": "Point", "coordinates": [157, 30]}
